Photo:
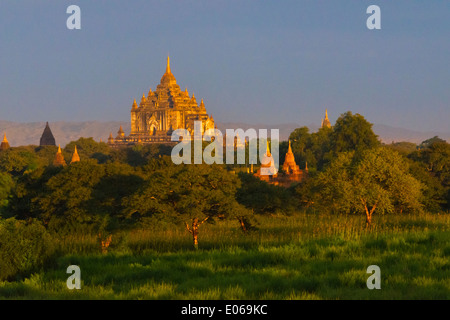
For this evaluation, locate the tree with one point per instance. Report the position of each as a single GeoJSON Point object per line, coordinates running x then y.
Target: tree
{"type": "Point", "coordinates": [311, 148]}
{"type": "Point", "coordinates": [192, 194]}
{"type": "Point", "coordinates": [17, 161]}
{"type": "Point", "coordinates": [262, 197]}
{"type": "Point", "coordinates": [403, 147]}
{"type": "Point", "coordinates": [434, 156]}
{"type": "Point", "coordinates": [378, 179]}
{"type": "Point", "coordinates": [89, 148]}
{"type": "Point", "coordinates": [67, 194]}
{"type": "Point", "coordinates": [6, 185]}
{"type": "Point", "coordinates": [352, 133]}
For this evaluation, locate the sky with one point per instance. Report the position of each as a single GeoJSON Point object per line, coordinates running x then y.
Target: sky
{"type": "Point", "coordinates": [261, 61]}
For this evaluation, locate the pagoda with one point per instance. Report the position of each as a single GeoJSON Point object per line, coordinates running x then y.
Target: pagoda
{"type": "Point", "coordinates": [47, 138]}
{"type": "Point", "coordinates": [59, 158]}
{"type": "Point", "coordinates": [162, 111]}
{"type": "Point", "coordinates": [326, 122]}
{"type": "Point", "coordinates": [267, 172]}
{"type": "Point", "coordinates": [290, 167]}
{"type": "Point", "coordinates": [5, 144]}
{"type": "Point", "coordinates": [75, 156]}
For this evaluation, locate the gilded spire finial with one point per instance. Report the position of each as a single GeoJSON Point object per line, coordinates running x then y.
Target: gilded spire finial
{"type": "Point", "coordinates": [59, 148]}
{"type": "Point", "coordinates": [4, 138]}
{"type": "Point", "coordinates": [168, 65]}
{"type": "Point", "coordinates": [326, 113]}
{"type": "Point", "coordinates": [268, 149]}
{"type": "Point", "coordinates": [75, 156]}
{"type": "Point", "coordinates": [290, 149]}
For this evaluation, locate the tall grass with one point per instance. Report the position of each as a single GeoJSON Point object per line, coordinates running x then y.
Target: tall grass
{"type": "Point", "coordinates": [271, 230]}
{"type": "Point", "coordinates": [304, 256]}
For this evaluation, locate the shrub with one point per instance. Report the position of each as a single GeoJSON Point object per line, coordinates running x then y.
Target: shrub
{"type": "Point", "coordinates": [24, 247]}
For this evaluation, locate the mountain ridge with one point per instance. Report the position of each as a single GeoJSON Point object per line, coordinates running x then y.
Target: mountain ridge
{"type": "Point", "coordinates": [29, 133]}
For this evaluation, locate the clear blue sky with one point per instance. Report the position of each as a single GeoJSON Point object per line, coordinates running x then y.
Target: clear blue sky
{"type": "Point", "coordinates": [251, 61]}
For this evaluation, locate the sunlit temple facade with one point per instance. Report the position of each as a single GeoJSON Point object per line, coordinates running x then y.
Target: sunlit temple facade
{"type": "Point", "coordinates": [162, 111]}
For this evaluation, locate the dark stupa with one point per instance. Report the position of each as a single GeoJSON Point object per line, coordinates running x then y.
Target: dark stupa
{"type": "Point", "coordinates": [47, 138]}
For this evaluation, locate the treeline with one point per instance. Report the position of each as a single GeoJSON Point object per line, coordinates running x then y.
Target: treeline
{"type": "Point", "coordinates": [350, 171]}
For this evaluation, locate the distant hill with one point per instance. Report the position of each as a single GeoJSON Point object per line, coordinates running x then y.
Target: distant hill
{"type": "Point", "coordinates": [19, 134]}
{"type": "Point", "coordinates": [387, 134]}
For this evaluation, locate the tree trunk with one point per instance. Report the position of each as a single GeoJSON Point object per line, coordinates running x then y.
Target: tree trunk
{"type": "Point", "coordinates": [242, 222]}
{"type": "Point", "coordinates": [368, 220]}
{"type": "Point", "coordinates": [369, 213]}
{"type": "Point", "coordinates": [195, 232]}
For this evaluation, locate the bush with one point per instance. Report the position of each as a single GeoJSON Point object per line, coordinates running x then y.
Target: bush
{"type": "Point", "coordinates": [24, 247]}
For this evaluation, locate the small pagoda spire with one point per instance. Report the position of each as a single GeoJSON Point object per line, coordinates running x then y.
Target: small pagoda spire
{"type": "Point", "coordinates": [143, 99]}
{"type": "Point", "coordinates": [290, 149]}
{"type": "Point", "coordinates": [59, 158]}
{"type": "Point", "coordinates": [134, 107]}
{"type": "Point", "coordinates": [306, 166]}
{"type": "Point", "coordinates": [268, 149]}
{"type": "Point", "coordinates": [110, 139]}
{"type": "Point", "coordinates": [168, 66]}
{"type": "Point", "coordinates": [75, 156]}
{"type": "Point", "coordinates": [120, 133]}
{"type": "Point", "coordinates": [5, 144]}
{"type": "Point", "coordinates": [150, 93]}
{"type": "Point", "coordinates": [326, 122]}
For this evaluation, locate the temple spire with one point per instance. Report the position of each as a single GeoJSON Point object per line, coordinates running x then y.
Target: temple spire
{"type": "Point", "coordinates": [47, 138]}
{"type": "Point", "coordinates": [268, 149]}
{"type": "Point", "coordinates": [290, 149]}
{"type": "Point", "coordinates": [326, 122]}
{"type": "Point", "coordinates": [5, 144]}
{"type": "Point", "coordinates": [59, 158]}
{"type": "Point", "coordinates": [75, 156]}
{"type": "Point", "coordinates": [168, 65]}
{"type": "Point", "coordinates": [134, 107]}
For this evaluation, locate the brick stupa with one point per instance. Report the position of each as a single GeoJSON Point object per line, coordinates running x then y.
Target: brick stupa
{"type": "Point", "coordinates": [47, 138]}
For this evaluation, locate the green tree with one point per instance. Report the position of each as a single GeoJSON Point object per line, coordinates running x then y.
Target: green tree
{"type": "Point", "coordinates": [6, 186]}
{"type": "Point", "coordinates": [378, 179]}
{"type": "Point", "coordinates": [67, 194]}
{"type": "Point", "coordinates": [18, 161]}
{"type": "Point", "coordinates": [192, 194]}
{"type": "Point", "coordinates": [262, 197]}
{"type": "Point", "coordinates": [434, 156]}
{"type": "Point", "coordinates": [352, 133]}
{"type": "Point", "coordinates": [89, 148]}
{"type": "Point", "coordinates": [311, 148]}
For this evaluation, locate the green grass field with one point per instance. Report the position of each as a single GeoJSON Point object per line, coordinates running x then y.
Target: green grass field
{"type": "Point", "coordinates": [305, 256]}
